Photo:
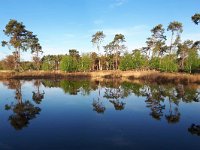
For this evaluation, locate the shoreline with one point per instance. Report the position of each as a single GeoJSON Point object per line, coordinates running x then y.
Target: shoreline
{"type": "Point", "coordinates": [148, 76]}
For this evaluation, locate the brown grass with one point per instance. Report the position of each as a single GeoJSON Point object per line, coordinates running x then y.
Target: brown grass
{"type": "Point", "coordinates": [150, 76]}
{"type": "Point", "coordinates": [170, 77]}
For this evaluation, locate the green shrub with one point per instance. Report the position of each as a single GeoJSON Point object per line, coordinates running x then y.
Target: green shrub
{"type": "Point", "coordinates": [68, 63]}
{"type": "Point", "coordinates": [168, 64]}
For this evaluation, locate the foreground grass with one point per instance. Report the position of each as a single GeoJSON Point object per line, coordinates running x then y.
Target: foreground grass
{"type": "Point", "coordinates": [150, 76]}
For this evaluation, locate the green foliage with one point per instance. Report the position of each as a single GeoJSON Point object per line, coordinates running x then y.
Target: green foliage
{"type": "Point", "coordinates": [168, 64]}
{"type": "Point", "coordinates": [46, 66]}
{"type": "Point", "coordinates": [17, 33]}
{"type": "Point", "coordinates": [86, 63]}
{"type": "Point", "coordinates": [154, 63]}
{"type": "Point", "coordinates": [51, 62]}
{"type": "Point", "coordinates": [97, 38]}
{"type": "Point", "coordinates": [115, 48]}
{"type": "Point", "coordinates": [74, 53]}
{"type": "Point", "coordinates": [27, 66]}
{"type": "Point", "coordinates": [132, 61]}
{"type": "Point", "coordinates": [196, 19]}
{"type": "Point", "coordinates": [175, 27]}
{"type": "Point", "coordinates": [19, 39]}
{"type": "Point", "coordinates": [138, 60]}
{"type": "Point", "coordinates": [182, 56]}
{"type": "Point", "coordinates": [126, 62]}
{"type": "Point", "coordinates": [192, 62]}
{"type": "Point", "coordinates": [68, 63]}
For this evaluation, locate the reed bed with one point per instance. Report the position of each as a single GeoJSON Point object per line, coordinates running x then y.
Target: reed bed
{"type": "Point", "coordinates": [150, 76]}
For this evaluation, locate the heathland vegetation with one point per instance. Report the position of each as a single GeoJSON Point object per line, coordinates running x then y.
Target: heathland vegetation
{"type": "Point", "coordinates": [178, 56]}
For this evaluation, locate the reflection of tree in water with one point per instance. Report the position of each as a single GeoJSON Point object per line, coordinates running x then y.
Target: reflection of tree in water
{"type": "Point", "coordinates": [119, 105]}
{"type": "Point", "coordinates": [98, 105]}
{"type": "Point", "coordinates": [38, 96]}
{"type": "Point", "coordinates": [194, 129]}
{"type": "Point", "coordinates": [174, 115]}
{"type": "Point", "coordinates": [132, 88]}
{"type": "Point", "coordinates": [156, 108]}
{"type": "Point", "coordinates": [115, 95]}
{"type": "Point", "coordinates": [72, 87]}
{"type": "Point", "coordinates": [156, 95]}
{"type": "Point", "coordinates": [174, 96]}
{"type": "Point", "coordinates": [23, 112]}
{"type": "Point", "coordinates": [192, 95]}
{"type": "Point", "coordinates": [15, 85]}
{"type": "Point", "coordinates": [187, 94]}
{"type": "Point", "coordinates": [154, 98]}
{"type": "Point", "coordinates": [180, 91]}
{"type": "Point", "coordinates": [51, 83]}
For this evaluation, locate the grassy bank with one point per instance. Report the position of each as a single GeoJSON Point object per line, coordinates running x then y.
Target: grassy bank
{"type": "Point", "coordinates": [149, 76]}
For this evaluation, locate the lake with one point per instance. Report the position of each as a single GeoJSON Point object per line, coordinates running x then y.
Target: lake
{"type": "Point", "coordinates": [93, 115]}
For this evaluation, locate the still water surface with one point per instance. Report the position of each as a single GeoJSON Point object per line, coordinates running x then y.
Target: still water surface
{"type": "Point", "coordinates": [88, 115]}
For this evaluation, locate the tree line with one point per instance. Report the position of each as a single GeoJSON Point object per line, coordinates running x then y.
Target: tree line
{"type": "Point", "coordinates": [156, 55]}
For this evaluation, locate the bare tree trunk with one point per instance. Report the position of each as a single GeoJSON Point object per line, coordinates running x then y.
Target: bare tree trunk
{"type": "Point", "coordinates": [37, 59]}
{"type": "Point", "coordinates": [100, 68]}
{"type": "Point", "coordinates": [17, 57]}
{"type": "Point", "coordinates": [182, 64]}
{"type": "Point", "coordinates": [18, 93]}
{"type": "Point", "coordinates": [171, 42]}
{"type": "Point", "coordinates": [107, 65]}
{"type": "Point", "coordinates": [116, 62]}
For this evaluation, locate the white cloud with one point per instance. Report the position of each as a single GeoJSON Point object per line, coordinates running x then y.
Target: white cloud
{"type": "Point", "coordinates": [117, 3]}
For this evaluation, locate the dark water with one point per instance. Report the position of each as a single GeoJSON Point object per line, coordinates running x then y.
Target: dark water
{"type": "Point", "coordinates": [44, 114]}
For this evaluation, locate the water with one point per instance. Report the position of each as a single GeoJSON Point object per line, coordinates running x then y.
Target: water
{"type": "Point", "coordinates": [88, 115]}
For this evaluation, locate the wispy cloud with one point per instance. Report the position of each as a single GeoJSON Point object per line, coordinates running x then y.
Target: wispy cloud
{"type": "Point", "coordinates": [117, 3]}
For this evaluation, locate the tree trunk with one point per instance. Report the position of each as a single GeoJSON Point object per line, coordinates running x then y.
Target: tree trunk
{"type": "Point", "coordinates": [18, 59]}
{"type": "Point", "coordinates": [15, 56]}
{"type": "Point", "coordinates": [19, 93]}
{"type": "Point", "coordinates": [100, 68]}
{"type": "Point", "coordinates": [116, 63]}
{"type": "Point", "coordinates": [171, 42]}
{"type": "Point", "coordinates": [107, 65]}
{"type": "Point", "coordinates": [182, 64]}
{"type": "Point", "coordinates": [37, 60]}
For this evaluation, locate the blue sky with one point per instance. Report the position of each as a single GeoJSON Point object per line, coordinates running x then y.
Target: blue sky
{"type": "Point", "coordinates": [65, 24]}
